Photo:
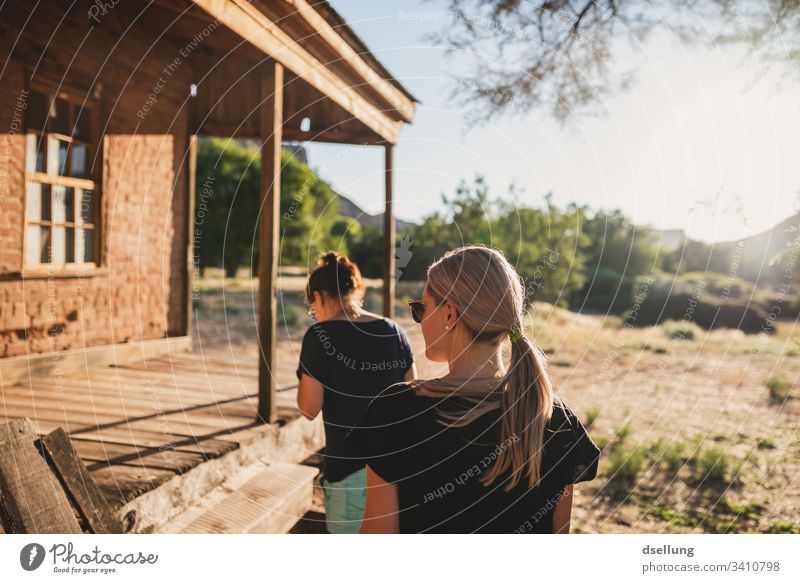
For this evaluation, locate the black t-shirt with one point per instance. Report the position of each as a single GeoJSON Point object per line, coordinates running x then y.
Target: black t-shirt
{"type": "Point", "coordinates": [437, 469]}
{"type": "Point", "coordinates": [353, 362]}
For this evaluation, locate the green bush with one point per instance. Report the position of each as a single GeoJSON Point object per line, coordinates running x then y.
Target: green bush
{"type": "Point", "coordinates": [670, 455]}
{"type": "Point", "coordinates": [625, 463]}
{"type": "Point", "coordinates": [688, 296]}
{"type": "Point", "coordinates": [680, 329]}
{"type": "Point", "coordinates": [591, 417]}
{"type": "Point", "coordinates": [601, 441]}
{"type": "Point", "coordinates": [765, 443]}
{"type": "Point", "coordinates": [623, 431]}
{"type": "Point", "coordinates": [713, 465]}
{"type": "Point", "coordinates": [779, 388]}
{"type": "Point", "coordinates": [290, 316]}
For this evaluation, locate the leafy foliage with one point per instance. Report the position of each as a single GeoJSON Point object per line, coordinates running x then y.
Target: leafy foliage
{"type": "Point", "coordinates": [228, 207]}
{"type": "Point", "coordinates": [564, 56]}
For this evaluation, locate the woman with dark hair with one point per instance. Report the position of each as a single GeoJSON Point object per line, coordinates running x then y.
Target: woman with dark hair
{"type": "Point", "coordinates": [348, 356]}
{"type": "Point", "coordinates": [489, 447]}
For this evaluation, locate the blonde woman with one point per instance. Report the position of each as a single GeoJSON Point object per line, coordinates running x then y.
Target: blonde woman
{"type": "Point", "coordinates": [348, 356]}
{"type": "Point", "coordinates": [488, 447]}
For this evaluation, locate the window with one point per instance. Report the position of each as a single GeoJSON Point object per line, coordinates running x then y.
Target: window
{"type": "Point", "coordinates": [60, 199]}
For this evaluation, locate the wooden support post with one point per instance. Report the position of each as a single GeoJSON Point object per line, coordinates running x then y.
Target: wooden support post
{"type": "Point", "coordinates": [271, 115]}
{"type": "Point", "coordinates": [388, 240]}
{"type": "Point", "coordinates": [191, 189]}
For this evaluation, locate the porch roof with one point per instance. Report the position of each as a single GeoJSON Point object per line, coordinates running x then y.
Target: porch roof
{"type": "Point", "coordinates": [331, 76]}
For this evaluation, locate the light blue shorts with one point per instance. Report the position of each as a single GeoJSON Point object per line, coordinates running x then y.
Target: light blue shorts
{"type": "Point", "coordinates": [345, 502]}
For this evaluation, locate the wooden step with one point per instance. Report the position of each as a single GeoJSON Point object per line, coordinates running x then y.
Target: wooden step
{"type": "Point", "coordinates": [268, 497]}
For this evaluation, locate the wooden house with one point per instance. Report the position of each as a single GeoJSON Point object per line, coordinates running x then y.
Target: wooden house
{"type": "Point", "coordinates": [101, 104]}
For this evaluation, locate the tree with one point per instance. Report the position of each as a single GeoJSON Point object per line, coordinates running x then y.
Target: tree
{"type": "Point", "coordinates": [561, 54]}
{"type": "Point", "coordinates": [309, 211]}
{"type": "Point", "coordinates": [547, 248]}
{"type": "Point", "coordinates": [620, 252]}
{"type": "Point", "coordinates": [228, 206]}
{"type": "Point", "coordinates": [365, 249]}
{"type": "Point", "coordinates": [226, 202]}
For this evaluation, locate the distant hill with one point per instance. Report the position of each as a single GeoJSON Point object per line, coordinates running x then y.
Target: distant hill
{"type": "Point", "coordinates": [758, 250]}
{"type": "Point", "coordinates": [749, 257]}
{"type": "Point", "coordinates": [347, 208]}
{"type": "Point", "coordinates": [297, 149]}
{"type": "Point", "coordinates": [762, 245]}
{"type": "Point", "coordinates": [770, 242]}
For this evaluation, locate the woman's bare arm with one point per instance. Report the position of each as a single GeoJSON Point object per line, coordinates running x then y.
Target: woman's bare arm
{"type": "Point", "coordinates": [563, 512]}
{"type": "Point", "coordinates": [309, 396]}
{"type": "Point", "coordinates": [381, 515]}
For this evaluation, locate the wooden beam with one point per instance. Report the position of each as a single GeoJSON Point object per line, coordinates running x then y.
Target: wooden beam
{"type": "Point", "coordinates": [191, 189]}
{"type": "Point", "coordinates": [79, 484]}
{"type": "Point", "coordinates": [331, 136]}
{"type": "Point", "coordinates": [393, 96]}
{"type": "Point", "coordinates": [250, 23]}
{"type": "Point", "coordinates": [388, 238]}
{"type": "Point", "coordinates": [271, 114]}
{"type": "Point", "coordinates": [33, 500]}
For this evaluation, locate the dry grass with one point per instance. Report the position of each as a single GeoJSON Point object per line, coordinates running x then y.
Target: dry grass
{"type": "Point", "coordinates": [693, 440]}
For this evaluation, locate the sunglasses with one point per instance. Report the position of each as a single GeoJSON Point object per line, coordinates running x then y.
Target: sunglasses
{"type": "Point", "coordinates": [417, 310]}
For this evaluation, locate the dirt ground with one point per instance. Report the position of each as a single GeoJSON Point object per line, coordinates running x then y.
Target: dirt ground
{"type": "Point", "coordinates": [693, 439]}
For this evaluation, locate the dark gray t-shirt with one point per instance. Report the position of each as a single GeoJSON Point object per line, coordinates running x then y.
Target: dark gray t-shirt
{"type": "Point", "coordinates": [438, 469]}
{"type": "Point", "coordinates": [353, 362]}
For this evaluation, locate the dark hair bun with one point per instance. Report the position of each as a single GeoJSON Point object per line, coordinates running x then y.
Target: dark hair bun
{"type": "Point", "coordinates": [330, 259]}
{"type": "Point", "coordinates": [335, 275]}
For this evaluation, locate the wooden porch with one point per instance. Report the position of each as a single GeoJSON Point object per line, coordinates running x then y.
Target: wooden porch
{"type": "Point", "coordinates": [160, 434]}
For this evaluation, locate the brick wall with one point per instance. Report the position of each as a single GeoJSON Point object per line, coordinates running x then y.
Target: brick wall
{"type": "Point", "coordinates": [139, 292]}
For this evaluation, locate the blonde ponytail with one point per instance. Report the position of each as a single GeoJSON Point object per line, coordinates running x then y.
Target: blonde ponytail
{"type": "Point", "coordinates": [489, 297]}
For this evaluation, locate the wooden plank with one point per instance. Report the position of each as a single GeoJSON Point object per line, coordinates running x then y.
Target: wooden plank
{"type": "Point", "coordinates": [271, 121]}
{"type": "Point", "coordinates": [194, 370]}
{"type": "Point", "coordinates": [389, 237]}
{"type": "Point", "coordinates": [78, 422]}
{"type": "Point", "coordinates": [32, 496]}
{"type": "Point", "coordinates": [166, 383]}
{"type": "Point", "coordinates": [206, 359]}
{"type": "Point", "coordinates": [72, 411]}
{"type": "Point", "coordinates": [151, 397]}
{"type": "Point", "coordinates": [98, 454]}
{"type": "Point", "coordinates": [121, 484]}
{"type": "Point", "coordinates": [271, 501]}
{"type": "Point", "coordinates": [153, 401]}
{"type": "Point", "coordinates": [161, 392]}
{"type": "Point", "coordinates": [79, 484]}
{"type": "Point", "coordinates": [103, 408]}
{"type": "Point", "coordinates": [209, 448]}
{"type": "Point", "coordinates": [17, 369]}
{"type": "Point", "coordinates": [198, 369]}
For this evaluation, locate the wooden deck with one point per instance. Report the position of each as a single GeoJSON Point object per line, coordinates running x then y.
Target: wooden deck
{"type": "Point", "coordinates": [140, 426]}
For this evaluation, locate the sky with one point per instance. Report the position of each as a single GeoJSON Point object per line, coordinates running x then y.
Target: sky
{"type": "Point", "coordinates": [696, 143]}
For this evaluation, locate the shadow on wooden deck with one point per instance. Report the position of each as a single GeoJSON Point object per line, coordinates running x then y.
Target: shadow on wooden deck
{"type": "Point", "coordinates": [156, 435]}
